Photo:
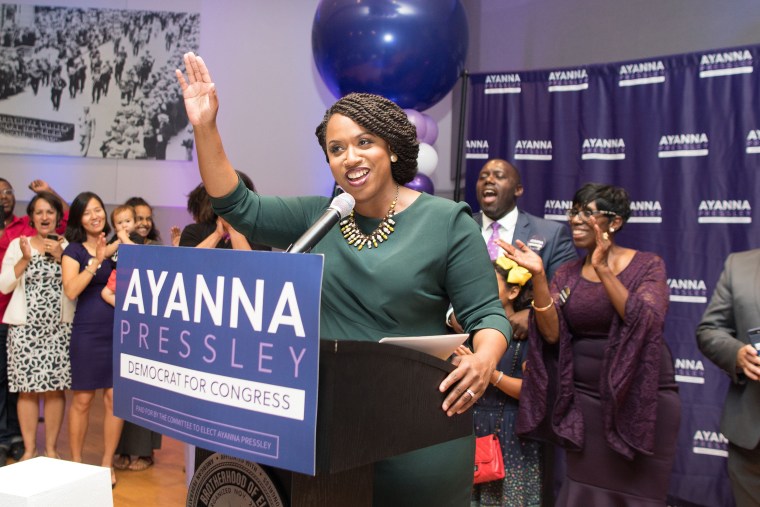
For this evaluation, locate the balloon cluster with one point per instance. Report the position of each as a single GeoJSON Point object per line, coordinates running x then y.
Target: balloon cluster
{"type": "Point", "coordinates": [410, 51]}
{"type": "Point", "coordinates": [427, 160]}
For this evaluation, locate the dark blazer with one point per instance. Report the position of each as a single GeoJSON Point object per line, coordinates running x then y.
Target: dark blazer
{"type": "Point", "coordinates": [733, 309]}
{"type": "Point", "coordinates": [550, 240]}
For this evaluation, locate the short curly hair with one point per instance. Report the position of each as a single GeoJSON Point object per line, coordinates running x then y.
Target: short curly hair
{"type": "Point", "coordinates": [384, 119]}
{"type": "Point", "coordinates": [606, 197]}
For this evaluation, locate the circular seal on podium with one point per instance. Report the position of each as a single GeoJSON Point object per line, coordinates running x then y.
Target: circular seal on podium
{"type": "Point", "coordinates": [227, 481]}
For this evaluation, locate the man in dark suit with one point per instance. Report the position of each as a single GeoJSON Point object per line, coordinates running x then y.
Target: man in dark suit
{"type": "Point", "coordinates": [729, 337]}
{"type": "Point", "coordinates": [498, 187]}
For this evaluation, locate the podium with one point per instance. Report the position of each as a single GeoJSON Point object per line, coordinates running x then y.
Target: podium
{"type": "Point", "coordinates": [375, 401]}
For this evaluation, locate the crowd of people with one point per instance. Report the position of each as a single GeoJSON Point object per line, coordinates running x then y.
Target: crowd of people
{"type": "Point", "coordinates": [565, 350]}
{"type": "Point", "coordinates": [90, 53]}
{"type": "Point", "coordinates": [58, 265]}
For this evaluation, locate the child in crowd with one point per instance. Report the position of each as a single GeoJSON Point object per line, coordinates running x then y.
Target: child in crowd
{"type": "Point", "coordinates": [124, 222]}
{"type": "Point", "coordinates": [496, 410]}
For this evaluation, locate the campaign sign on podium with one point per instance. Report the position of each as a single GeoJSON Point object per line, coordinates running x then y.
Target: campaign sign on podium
{"type": "Point", "coordinates": [220, 348]}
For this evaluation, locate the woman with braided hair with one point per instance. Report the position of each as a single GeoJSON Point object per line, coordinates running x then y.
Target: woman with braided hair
{"type": "Point", "coordinates": [378, 280]}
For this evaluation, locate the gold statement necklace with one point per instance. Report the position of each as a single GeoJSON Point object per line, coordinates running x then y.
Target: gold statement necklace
{"type": "Point", "coordinates": [357, 238]}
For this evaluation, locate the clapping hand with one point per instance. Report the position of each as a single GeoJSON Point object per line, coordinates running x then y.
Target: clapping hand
{"type": "Point", "coordinates": [523, 256]}
{"type": "Point", "coordinates": [175, 234]}
{"type": "Point", "coordinates": [54, 247]}
{"type": "Point", "coordinates": [100, 248]}
{"type": "Point", "coordinates": [198, 90]}
{"type": "Point", "coordinates": [603, 245]}
{"type": "Point", "coordinates": [26, 248]}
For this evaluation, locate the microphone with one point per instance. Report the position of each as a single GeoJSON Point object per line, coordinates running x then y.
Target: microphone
{"type": "Point", "coordinates": [339, 209]}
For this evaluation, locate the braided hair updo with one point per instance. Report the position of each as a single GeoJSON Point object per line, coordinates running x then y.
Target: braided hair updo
{"type": "Point", "coordinates": [384, 119]}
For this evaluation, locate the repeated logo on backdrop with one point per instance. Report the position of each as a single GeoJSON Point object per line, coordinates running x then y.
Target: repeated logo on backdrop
{"type": "Point", "coordinates": [646, 212]}
{"type": "Point", "coordinates": [603, 149]}
{"type": "Point", "coordinates": [687, 290]}
{"type": "Point", "coordinates": [502, 83]}
{"type": "Point", "coordinates": [533, 149]}
{"type": "Point", "coordinates": [476, 149]}
{"type": "Point", "coordinates": [568, 80]}
{"type": "Point", "coordinates": [657, 127]}
{"type": "Point", "coordinates": [690, 371]}
{"type": "Point", "coordinates": [725, 63]}
{"type": "Point", "coordinates": [683, 145]}
{"type": "Point", "coordinates": [556, 209]}
{"type": "Point", "coordinates": [712, 443]}
{"type": "Point", "coordinates": [724, 211]}
{"type": "Point", "coordinates": [641, 73]}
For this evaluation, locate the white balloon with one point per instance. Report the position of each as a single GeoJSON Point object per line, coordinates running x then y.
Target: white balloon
{"type": "Point", "coordinates": [427, 160]}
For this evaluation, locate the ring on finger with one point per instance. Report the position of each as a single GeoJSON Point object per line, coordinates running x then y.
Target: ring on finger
{"type": "Point", "coordinates": [469, 391]}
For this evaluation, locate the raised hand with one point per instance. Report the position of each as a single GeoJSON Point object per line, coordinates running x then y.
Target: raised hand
{"type": "Point", "coordinates": [198, 90]}
{"type": "Point", "coordinates": [38, 186]}
{"type": "Point", "coordinates": [603, 245]}
{"type": "Point", "coordinates": [523, 256]}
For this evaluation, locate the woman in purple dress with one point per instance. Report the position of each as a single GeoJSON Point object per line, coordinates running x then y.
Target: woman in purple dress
{"type": "Point", "coordinates": [86, 266]}
{"type": "Point", "coordinates": [600, 378]}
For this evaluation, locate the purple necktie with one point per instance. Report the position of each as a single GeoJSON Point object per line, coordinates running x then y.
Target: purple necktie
{"type": "Point", "coordinates": [493, 248]}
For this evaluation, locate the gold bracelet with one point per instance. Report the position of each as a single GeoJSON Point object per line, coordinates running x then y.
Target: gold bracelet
{"type": "Point", "coordinates": [498, 379]}
{"type": "Point", "coordinates": [88, 270]}
{"type": "Point", "coordinates": [542, 308]}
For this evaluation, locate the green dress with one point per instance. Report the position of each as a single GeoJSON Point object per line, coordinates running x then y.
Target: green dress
{"type": "Point", "coordinates": [436, 256]}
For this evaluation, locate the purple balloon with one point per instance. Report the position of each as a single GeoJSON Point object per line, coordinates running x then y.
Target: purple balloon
{"type": "Point", "coordinates": [421, 183]}
{"type": "Point", "coordinates": [431, 130]}
{"type": "Point", "coordinates": [418, 120]}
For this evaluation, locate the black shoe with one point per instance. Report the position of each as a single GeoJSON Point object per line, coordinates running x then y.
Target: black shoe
{"type": "Point", "coordinates": [17, 450]}
{"type": "Point", "coordinates": [3, 456]}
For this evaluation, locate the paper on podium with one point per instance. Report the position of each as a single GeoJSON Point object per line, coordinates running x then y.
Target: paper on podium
{"type": "Point", "coordinates": [440, 346]}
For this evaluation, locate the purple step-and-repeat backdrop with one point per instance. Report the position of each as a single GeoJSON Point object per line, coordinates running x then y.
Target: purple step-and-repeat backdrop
{"type": "Point", "coordinates": [682, 134]}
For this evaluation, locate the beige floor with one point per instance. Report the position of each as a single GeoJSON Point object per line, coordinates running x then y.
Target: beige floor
{"type": "Point", "coordinates": [163, 484]}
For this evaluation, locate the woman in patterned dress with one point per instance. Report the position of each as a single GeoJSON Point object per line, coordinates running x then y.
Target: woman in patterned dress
{"type": "Point", "coordinates": [40, 318]}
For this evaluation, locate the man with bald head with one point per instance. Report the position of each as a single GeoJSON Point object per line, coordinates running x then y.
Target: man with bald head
{"type": "Point", "coordinates": [498, 187]}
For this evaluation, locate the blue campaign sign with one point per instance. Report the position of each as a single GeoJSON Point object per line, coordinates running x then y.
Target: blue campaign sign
{"type": "Point", "coordinates": [220, 348]}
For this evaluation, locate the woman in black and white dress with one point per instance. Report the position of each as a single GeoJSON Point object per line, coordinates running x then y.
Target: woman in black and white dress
{"type": "Point", "coordinates": [39, 317]}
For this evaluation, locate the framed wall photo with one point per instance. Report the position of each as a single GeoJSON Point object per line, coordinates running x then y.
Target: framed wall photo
{"type": "Point", "coordinates": [91, 82]}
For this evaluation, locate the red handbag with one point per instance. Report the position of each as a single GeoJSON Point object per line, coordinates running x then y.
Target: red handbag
{"type": "Point", "coordinates": [489, 463]}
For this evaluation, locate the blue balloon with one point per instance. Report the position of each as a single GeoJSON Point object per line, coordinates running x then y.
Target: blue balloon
{"type": "Point", "coordinates": [421, 183]}
{"type": "Point", "coordinates": [410, 51]}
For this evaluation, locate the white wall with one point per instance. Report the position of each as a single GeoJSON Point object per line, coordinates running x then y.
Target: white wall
{"type": "Point", "coordinates": [538, 34]}
{"type": "Point", "coordinates": [272, 97]}
{"type": "Point", "coordinates": [259, 53]}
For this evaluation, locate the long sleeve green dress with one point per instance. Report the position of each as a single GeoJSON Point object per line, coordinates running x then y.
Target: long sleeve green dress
{"type": "Point", "coordinates": [435, 256]}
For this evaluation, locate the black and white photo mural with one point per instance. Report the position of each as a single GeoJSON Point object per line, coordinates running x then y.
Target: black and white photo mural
{"type": "Point", "coordinates": [94, 82]}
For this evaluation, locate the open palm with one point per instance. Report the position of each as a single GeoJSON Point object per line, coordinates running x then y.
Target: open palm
{"type": "Point", "coordinates": [198, 90]}
{"type": "Point", "coordinates": [522, 255]}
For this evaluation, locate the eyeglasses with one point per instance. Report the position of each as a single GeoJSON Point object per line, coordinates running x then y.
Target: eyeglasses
{"type": "Point", "coordinates": [6, 191]}
{"type": "Point", "coordinates": [587, 213]}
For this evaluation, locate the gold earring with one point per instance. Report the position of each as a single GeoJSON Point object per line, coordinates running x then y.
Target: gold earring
{"type": "Point", "coordinates": [394, 157]}
{"type": "Point", "coordinates": [612, 229]}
